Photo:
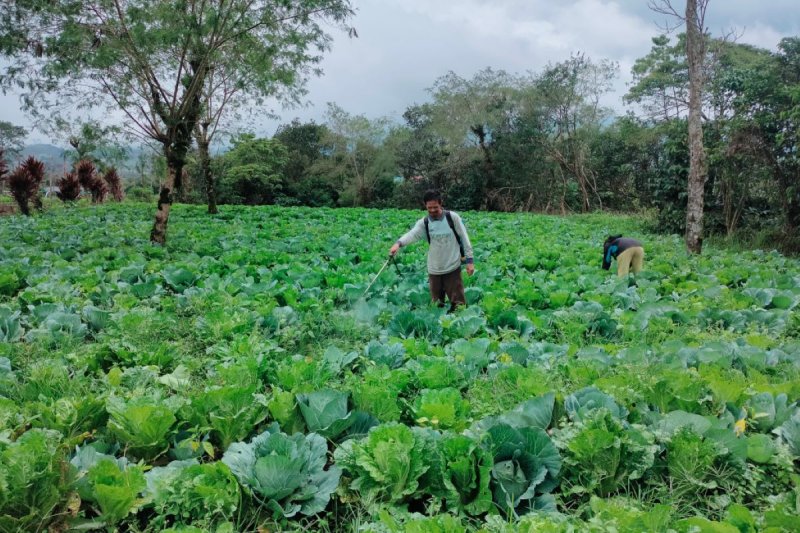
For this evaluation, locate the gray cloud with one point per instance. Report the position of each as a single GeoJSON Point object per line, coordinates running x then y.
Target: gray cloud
{"type": "Point", "coordinates": [404, 45]}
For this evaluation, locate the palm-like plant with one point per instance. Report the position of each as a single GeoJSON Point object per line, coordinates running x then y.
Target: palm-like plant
{"type": "Point", "coordinates": [114, 184]}
{"type": "Point", "coordinates": [69, 188]}
{"type": "Point", "coordinates": [35, 170]}
{"type": "Point", "coordinates": [24, 183]}
{"type": "Point", "coordinates": [90, 181]}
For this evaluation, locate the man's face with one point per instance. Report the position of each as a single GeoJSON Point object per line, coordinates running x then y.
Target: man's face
{"type": "Point", "coordinates": [434, 208]}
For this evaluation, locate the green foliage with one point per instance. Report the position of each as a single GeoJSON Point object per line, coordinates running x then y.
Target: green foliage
{"type": "Point", "coordinates": [229, 412]}
{"type": "Point", "coordinates": [141, 425]}
{"type": "Point", "coordinates": [286, 473]}
{"type": "Point", "coordinates": [466, 469]}
{"type": "Point", "coordinates": [442, 409]}
{"type": "Point", "coordinates": [206, 494]}
{"type": "Point", "coordinates": [325, 412]}
{"type": "Point", "coordinates": [10, 329]}
{"type": "Point", "coordinates": [115, 489]}
{"type": "Point", "coordinates": [32, 480]}
{"type": "Point", "coordinates": [526, 469]}
{"type": "Point", "coordinates": [789, 431]}
{"type": "Point", "coordinates": [582, 403]}
{"type": "Point", "coordinates": [256, 317]}
{"type": "Point", "coordinates": [602, 456]}
{"type": "Point", "coordinates": [377, 391]}
{"type": "Point", "coordinates": [386, 465]}
{"type": "Point", "coordinates": [252, 171]}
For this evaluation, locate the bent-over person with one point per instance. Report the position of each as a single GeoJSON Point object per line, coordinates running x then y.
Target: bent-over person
{"type": "Point", "coordinates": [628, 253]}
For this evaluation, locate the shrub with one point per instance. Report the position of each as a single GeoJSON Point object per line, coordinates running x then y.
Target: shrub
{"type": "Point", "coordinates": [24, 184]}
{"type": "Point", "coordinates": [69, 188]}
{"type": "Point", "coordinates": [90, 181]}
{"type": "Point", "coordinates": [114, 184]}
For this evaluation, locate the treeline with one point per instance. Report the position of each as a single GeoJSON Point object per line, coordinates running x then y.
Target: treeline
{"type": "Point", "coordinates": [542, 142]}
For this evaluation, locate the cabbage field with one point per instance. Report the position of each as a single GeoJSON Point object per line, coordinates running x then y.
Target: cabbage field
{"type": "Point", "coordinates": [238, 380]}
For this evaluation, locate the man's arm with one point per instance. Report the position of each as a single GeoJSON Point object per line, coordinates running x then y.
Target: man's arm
{"type": "Point", "coordinates": [465, 242]}
{"type": "Point", "coordinates": [413, 235]}
{"type": "Point", "coordinates": [609, 255]}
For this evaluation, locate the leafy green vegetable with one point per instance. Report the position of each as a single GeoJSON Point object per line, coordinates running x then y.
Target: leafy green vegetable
{"type": "Point", "coordinates": [580, 404]}
{"type": "Point", "coordinates": [283, 408]}
{"type": "Point", "coordinates": [466, 474]}
{"type": "Point", "coordinates": [769, 412]}
{"type": "Point", "coordinates": [142, 425]}
{"type": "Point", "coordinates": [115, 490]}
{"type": "Point", "coordinates": [602, 455]}
{"type": "Point", "coordinates": [760, 448]}
{"type": "Point", "coordinates": [208, 493]}
{"type": "Point", "coordinates": [442, 409]}
{"type": "Point", "coordinates": [10, 329]}
{"type": "Point", "coordinates": [526, 468]}
{"type": "Point", "coordinates": [789, 431]}
{"type": "Point", "coordinates": [287, 473]}
{"type": "Point", "coordinates": [32, 480]}
{"type": "Point", "coordinates": [385, 466]}
{"type": "Point", "coordinates": [392, 355]}
{"type": "Point", "coordinates": [325, 412]}
{"type": "Point", "coordinates": [231, 412]}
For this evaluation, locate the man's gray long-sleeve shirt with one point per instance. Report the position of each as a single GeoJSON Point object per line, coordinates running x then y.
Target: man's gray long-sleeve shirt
{"type": "Point", "coordinates": [444, 255]}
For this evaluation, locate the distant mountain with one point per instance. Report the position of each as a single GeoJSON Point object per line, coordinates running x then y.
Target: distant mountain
{"type": "Point", "coordinates": [51, 156]}
{"type": "Point", "coordinates": [56, 160]}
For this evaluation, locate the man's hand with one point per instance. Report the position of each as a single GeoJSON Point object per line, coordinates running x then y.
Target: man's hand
{"type": "Point", "coordinates": [394, 248]}
{"type": "Point", "coordinates": [470, 269]}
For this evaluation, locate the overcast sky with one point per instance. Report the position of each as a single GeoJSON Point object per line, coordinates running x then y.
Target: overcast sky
{"type": "Point", "coordinates": [404, 45]}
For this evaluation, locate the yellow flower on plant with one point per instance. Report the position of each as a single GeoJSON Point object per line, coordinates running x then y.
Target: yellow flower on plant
{"type": "Point", "coordinates": [739, 426]}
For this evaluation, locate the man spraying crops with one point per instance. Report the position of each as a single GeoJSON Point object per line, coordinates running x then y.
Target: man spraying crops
{"type": "Point", "coordinates": [628, 253]}
{"type": "Point", "coordinates": [449, 249]}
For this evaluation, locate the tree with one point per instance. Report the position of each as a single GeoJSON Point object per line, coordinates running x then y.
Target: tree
{"type": "Point", "coordinates": [3, 166]}
{"type": "Point", "coordinates": [564, 101]}
{"type": "Point", "coordinates": [358, 140]}
{"type": "Point", "coordinates": [468, 112]}
{"type": "Point", "coordinates": [251, 172]}
{"type": "Point", "coordinates": [11, 142]}
{"type": "Point", "coordinates": [151, 60]}
{"type": "Point", "coordinates": [427, 160]}
{"type": "Point", "coordinates": [307, 151]}
{"type": "Point", "coordinates": [11, 137]}
{"type": "Point", "coordinates": [765, 100]}
{"type": "Point", "coordinates": [112, 179]}
{"type": "Point", "coordinates": [698, 168]}
{"type": "Point", "coordinates": [660, 79]}
{"type": "Point", "coordinates": [626, 158]}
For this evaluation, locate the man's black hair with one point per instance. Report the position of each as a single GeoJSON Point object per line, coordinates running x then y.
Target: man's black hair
{"type": "Point", "coordinates": [432, 195]}
{"type": "Point", "coordinates": [612, 238]}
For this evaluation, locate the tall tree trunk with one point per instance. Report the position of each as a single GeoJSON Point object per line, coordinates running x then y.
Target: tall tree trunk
{"type": "Point", "coordinates": [698, 170]}
{"type": "Point", "coordinates": [201, 136]}
{"type": "Point", "coordinates": [789, 184]}
{"type": "Point", "coordinates": [488, 165]}
{"type": "Point", "coordinates": [165, 197]}
{"type": "Point", "coordinates": [176, 142]}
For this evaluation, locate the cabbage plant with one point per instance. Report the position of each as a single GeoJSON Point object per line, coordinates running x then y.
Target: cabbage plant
{"type": "Point", "coordinates": [287, 473]}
